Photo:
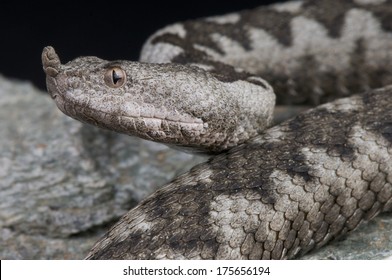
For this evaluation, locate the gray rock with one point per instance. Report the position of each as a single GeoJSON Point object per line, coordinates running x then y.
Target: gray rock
{"type": "Point", "coordinates": [62, 183]}
{"type": "Point", "coordinates": [60, 178]}
{"type": "Point", "coordinates": [17, 245]}
{"type": "Point", "coordinates": [371, 241]}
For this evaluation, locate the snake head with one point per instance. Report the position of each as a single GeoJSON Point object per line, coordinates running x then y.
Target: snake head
{"type": "Point", "coordinates": [178, 105]}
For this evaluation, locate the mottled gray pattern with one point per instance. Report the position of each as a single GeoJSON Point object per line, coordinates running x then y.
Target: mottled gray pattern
{"type": "Point", "coordinates": [277, 195]}
{"type": "Point", "coordinates": [307, 53]}
{"type": "Point", "coordinates": [292, 189]}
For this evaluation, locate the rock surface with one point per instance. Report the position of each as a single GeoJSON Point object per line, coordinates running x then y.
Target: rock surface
{"type": "Point", "coordinates": [62, 183]}
{"type": "Point", "coordinates": [61, 180]}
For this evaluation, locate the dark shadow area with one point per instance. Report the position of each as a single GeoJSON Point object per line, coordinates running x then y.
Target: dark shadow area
{"type": "Point", "coordinates": [108, 29]}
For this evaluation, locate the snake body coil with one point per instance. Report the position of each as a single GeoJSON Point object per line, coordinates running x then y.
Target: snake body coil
{"type": "Point", "coordinates": [268, 195]}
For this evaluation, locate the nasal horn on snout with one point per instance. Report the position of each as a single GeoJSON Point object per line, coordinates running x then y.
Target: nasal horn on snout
{"type": "Point", "coordinates": [50, 61]}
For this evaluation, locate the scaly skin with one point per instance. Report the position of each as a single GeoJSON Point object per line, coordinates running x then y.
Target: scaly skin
{"type": "Point", "coordinates": [292, 189]}
{"type": "Point", "coordinates": [279, 193]}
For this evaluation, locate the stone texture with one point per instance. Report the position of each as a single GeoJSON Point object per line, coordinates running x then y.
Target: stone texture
{"type": "Point", "coordinates": [62, 183]}
{"type": "Point", "coordinates": [371, 241]}
{"type": "Point", "coordinates": [60, 178]}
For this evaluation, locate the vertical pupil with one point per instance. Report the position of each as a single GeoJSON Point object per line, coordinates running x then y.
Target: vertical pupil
{"type": "Point", "coordinates": [116, 76]}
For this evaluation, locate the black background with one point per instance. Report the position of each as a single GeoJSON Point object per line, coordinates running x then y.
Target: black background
{"type": "Point", "coordinates": [108, 29]}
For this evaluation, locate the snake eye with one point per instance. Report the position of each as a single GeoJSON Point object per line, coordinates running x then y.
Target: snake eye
{"type": "Point", "coordinates": [115, 77]}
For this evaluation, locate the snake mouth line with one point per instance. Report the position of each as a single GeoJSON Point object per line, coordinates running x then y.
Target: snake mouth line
{"type": "Point", "coordinates": [195, 121]}
{"type": "Point", "coordinates": [61, 101]}
{"type": "Point", "coordinates": [93, 112]}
